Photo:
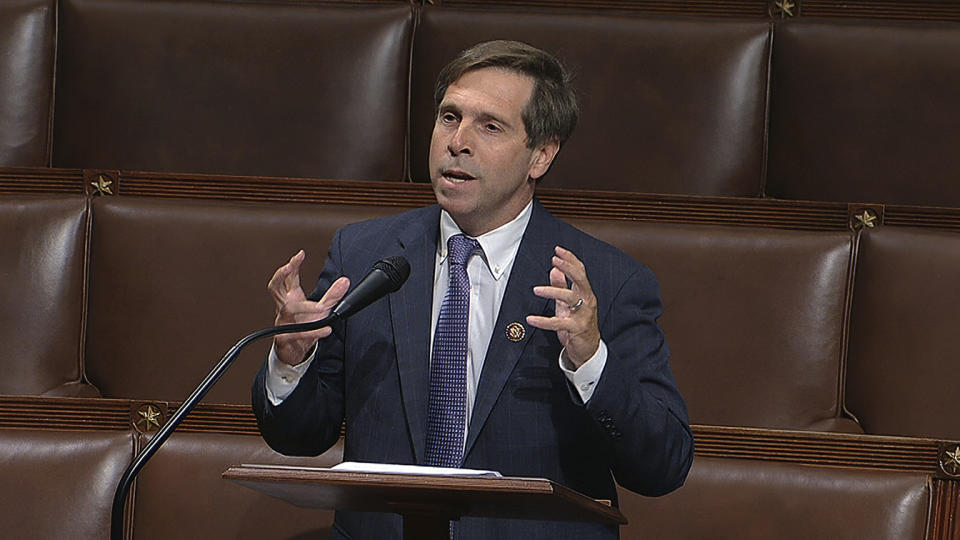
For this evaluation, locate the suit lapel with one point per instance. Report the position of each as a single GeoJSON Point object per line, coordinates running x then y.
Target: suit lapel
{"type": "Point", "coordinates": [531, 267]}
{"type": "Point", "coordinates": [410, 309]}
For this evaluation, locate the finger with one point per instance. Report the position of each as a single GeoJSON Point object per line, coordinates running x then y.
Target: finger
{"type": "Point", "coordinates": [559, 281]}
{"type": "Point", "coordinates": [279, 282]}
{"type": "Point", "coordinates": [561, 294]}
{"type": "Point", "coordinates": [292, 348]}
{"type": "Point", "coordinates": [568, 263]}
{"type": "Point", "coordinates": [558, 278]}
{"type": "Point", "coordinates": [303, 339]}
{"type": "Point", "coordinates": [307, 310]}
{"type": "Point", "coordinates": [556, 324]}
{"type": "Point", "coordinates": [298, 312]}
{"type": "Point", "coordinates": [292, 279]}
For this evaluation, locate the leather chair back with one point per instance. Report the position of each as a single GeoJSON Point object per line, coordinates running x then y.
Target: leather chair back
{"type": "Point", "coordinates": [175, 283]}
{"type": "Point", "coordinates": [42, 251]}
{"type": "Point", "coordinates": [180, 494]}
{"type": "Point", "coordinates": [668, 105]}
{"type": "Point", "coordinates": [754, 318]}
{"type": "Point", "coordinates": [903, 333]}
{"type": "Point", "coordinates": [255, 88]}
{"type": "Point", "coordinates": [27, 49]}
{"type": "Point", "coordinates": [60, 484]}
{"type": "Point", "coordinates": [865, 112]}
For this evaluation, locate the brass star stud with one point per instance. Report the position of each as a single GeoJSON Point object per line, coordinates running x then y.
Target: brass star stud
{"type": "Point", "coordinates": [102, 185]}
{"type": "Point", "coordinates": [149, 418]}
{"type": "Point", "coordinates": [950, 461]}
{"type": "Point", "coordinates": [867, 218]}
{"type": "Point", "coordinates": [785, 8]}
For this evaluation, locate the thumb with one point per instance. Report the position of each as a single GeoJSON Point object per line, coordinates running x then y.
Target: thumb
{"type": "Point", "coordinates": [338, 289]}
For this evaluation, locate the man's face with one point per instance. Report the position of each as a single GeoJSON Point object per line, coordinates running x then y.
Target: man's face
{"type": "Point", "coordinates": [482, 172]}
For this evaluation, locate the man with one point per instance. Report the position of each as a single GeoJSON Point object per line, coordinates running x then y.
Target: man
{"type": "Point", "coordinates": [566, 376]}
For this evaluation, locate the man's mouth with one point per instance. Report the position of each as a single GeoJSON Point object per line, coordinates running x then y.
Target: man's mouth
{"type": "Point", "coordinates": [457, 176]}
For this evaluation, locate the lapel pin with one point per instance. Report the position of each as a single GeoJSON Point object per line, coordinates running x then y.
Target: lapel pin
{"type": "Point", "coordinates": [515, 331]}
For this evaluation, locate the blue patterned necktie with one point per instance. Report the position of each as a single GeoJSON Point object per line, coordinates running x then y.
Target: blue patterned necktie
{"type": "Point", "coordinates": [447, 413]}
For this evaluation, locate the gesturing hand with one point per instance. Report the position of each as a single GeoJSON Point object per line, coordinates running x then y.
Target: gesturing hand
{"type": "Point", "coordinates": [293, 307]}
{"type": "Point", "coordinates": [575, 317]}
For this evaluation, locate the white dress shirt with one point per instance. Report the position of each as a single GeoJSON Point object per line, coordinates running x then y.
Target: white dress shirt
{"type": "Point", "coordinates": [489, 272]}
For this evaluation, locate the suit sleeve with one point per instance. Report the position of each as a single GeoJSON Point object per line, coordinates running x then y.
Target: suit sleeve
{"type": "Point", "coordinates": [636, 405]}
{"type": "Point", "coordinates": [308, 421]}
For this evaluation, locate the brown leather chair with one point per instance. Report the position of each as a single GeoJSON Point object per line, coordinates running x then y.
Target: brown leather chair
{"type": "Point", "coordinates": [257, 88]}
{"type": "Point", "coordinates": [668, 105]}
{"type": "Point", "coordinates": [903, 333]}
{"type": "Point", "coordinates": [42, 250]}
{"type": "Point", "coordinates": [27, 48]}
{"type": "Point", "coordinates": [175, 283]}
{"type": "Point", "coordinates": [754, 318]}
{"type": "Point", "coordinates": [745, 500]}
{"type": "Point", "coordinates": [180, 494]}
{"type": "Point", "coordinates": [60, 484]}
{"type": "Point", "coordinates": [865, 111]}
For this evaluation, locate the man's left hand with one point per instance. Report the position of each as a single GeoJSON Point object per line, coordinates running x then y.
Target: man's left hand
{"type": "Point", "coordinates": [575, 317]}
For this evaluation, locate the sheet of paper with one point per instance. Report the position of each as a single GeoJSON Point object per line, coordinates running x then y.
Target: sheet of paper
{"type": "Point", "coordinates": [356, 466]}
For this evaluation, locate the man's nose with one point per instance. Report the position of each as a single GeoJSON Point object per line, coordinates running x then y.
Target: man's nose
{"type": "Point", "coordinates": [459, 142]}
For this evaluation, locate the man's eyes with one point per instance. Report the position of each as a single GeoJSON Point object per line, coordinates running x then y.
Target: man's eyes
{"type": "Point", "coordinates": [449, 118]}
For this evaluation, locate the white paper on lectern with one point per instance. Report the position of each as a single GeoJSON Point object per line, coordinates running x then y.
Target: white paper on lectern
{"type": "Point", "coordinates": [387, 468]}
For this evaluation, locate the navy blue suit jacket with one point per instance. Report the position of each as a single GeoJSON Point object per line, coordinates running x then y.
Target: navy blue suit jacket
{"type": "Point", "coordinates": [372, 374]}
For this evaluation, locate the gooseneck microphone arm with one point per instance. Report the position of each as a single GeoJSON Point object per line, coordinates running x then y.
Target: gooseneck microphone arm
{"type": "Point", "coordinates": [387, 276]}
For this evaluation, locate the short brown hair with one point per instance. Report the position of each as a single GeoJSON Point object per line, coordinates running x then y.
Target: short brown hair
{"type": "Point", "coordinates": [552, 111]}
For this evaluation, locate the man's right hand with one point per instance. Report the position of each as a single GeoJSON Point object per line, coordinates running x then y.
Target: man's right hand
{"type": "Point", "coordinates": [293, 307]}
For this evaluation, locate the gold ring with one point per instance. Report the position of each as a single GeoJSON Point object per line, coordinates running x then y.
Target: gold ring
{"type": "Point", "coordinates": [577, 306]}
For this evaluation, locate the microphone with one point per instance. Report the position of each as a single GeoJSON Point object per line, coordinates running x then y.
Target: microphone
{"type": "Point", "coordinates": [386, 277]}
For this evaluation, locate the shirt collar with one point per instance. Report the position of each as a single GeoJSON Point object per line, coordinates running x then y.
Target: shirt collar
{"type": "Point", "coordinates": [499, 245]}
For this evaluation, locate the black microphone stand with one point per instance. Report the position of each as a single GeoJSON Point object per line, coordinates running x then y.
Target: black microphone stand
{"type": "Point", "coordinates": [120, 497]}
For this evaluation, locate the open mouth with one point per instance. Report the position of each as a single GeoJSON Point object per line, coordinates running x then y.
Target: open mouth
{"type": "Point", "coordinates": [457, 176]}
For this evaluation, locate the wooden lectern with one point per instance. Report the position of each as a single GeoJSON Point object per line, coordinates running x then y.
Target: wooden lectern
{"type": "Point", "coordinates": [426, 502]}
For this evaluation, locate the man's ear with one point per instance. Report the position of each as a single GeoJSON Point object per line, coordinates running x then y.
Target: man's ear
{"type": "Point", "coordinates": [542, 158]}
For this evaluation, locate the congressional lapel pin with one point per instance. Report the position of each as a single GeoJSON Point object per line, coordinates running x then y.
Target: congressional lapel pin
{"type": "Point", "coordinates": [515, 331]}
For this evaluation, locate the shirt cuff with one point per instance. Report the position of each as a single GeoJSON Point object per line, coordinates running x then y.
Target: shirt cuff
{"type": "Point", "coordinates": [584, 379]}
{"type": "Point", "coordinates": [282, 378]}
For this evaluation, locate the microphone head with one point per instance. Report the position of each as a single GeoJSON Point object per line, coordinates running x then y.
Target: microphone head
{"type": "Point", "coordinates": [397, 270]}
{"type": "Point", "coordinates": [386, 276]}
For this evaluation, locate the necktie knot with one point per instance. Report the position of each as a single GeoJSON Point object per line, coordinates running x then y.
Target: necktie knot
{"type": "Point", "coordinates": [460, 247]}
